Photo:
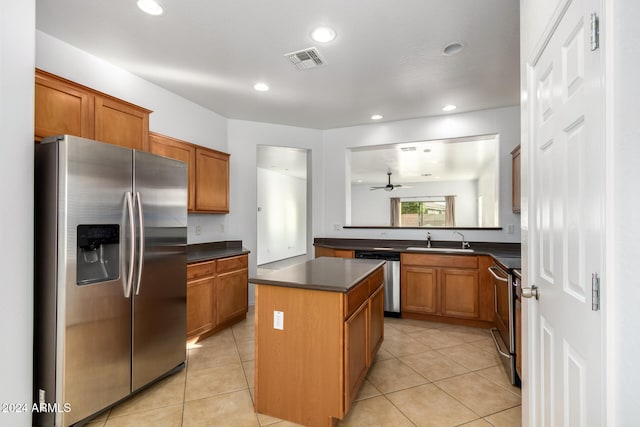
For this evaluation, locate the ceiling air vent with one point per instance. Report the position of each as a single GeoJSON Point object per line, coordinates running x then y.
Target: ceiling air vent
{"type": "Point", "coordinates": [306, 58]}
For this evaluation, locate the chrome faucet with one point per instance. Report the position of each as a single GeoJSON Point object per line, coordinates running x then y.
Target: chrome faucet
{"type": "Point", "coordinates": [429, 239]}
{"type": "Point", "coordinates": [465, 244]}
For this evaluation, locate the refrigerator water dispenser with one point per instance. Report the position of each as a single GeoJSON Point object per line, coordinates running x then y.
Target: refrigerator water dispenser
{"type": "Point", "coordinates": [98, 253]}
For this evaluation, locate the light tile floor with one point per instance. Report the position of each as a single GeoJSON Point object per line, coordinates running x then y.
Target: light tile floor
{"type": "Point", "coordinates": [425, 374]}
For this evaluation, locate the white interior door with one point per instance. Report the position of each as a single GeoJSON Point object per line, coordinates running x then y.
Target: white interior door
{"type": "Point", "coordinates": [566, 147]}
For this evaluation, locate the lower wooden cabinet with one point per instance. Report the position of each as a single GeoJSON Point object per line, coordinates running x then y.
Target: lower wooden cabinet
{"type": "Point", "coordinates": [459, 290]}
{"type": "Point", "coordinates": [338, 253]}
{"type": "Point", "coordinates": [376, 322]}
{"type": "Point", "coordinates": [419, 289]}
{"type": "Point", "coordinates": [446, 288]}
{"type": "Point", "coordinates": [311, 369]}
{"type": "Point", "coordinates": [231, 295]}
{"type": "Point", "coordinates": [217, 294]}
{"type": "Point", "coordinates": [356, 351]}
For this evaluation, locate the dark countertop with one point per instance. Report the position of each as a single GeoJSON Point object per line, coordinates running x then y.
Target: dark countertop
{"type": "Point", "coordinates": [507, 254]}
{"type": "Point", "coordinates": [208, 251]}
{"type": "Point", "coordinates": [324, 274]}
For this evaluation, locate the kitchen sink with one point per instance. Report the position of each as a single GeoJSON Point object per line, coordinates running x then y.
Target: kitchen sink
{"type": "Point", "coordinates": [425, 249]}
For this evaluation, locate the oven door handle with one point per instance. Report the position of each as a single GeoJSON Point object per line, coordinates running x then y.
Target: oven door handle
{"type": "Point", "coordinates": [493, 270]}
{"type": "Point", "coordinates": [495, 341]}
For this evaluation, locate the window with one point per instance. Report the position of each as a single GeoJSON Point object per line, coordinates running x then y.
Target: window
{"type": "Point", "coordinates": [423, 213]}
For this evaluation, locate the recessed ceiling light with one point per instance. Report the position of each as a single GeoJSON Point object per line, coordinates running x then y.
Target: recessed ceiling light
{"type": "Point", "coordinates": [152, 7]}
{"type": "Point", "coordinates": [453, 48]}
{"type": "Point", "coordinates": [449, 107]}
{"type": "Point", "coordinates": [323, 34]}
{"type": "Point", "coordinates": [376, 117]}
{"type": "Point", "coordinates": [261, 87]}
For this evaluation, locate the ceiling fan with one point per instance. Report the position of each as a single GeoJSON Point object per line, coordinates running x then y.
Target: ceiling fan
{"type": "Point", "coordinates": [389, 186]}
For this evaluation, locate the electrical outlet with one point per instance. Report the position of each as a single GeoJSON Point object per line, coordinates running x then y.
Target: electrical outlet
{"type": "Point", "coordinates": [510, 228]}
{"type": "Point", "coordinates": [337, 227]}
{"type": "Point", "coordinates": [198, 229]}
{"type": "Point", "coordinates": [278, 320]}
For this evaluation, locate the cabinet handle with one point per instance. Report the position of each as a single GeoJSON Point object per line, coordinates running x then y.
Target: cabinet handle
{"type": "Point", "coordinates": [493, 270]}
{"type": "Point", "coordinates": [495, 341]}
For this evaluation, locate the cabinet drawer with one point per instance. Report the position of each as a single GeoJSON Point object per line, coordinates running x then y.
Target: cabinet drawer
{"type": "Point", "coordinates": [457, 261]}
{"type": "Point", "coordinates": [233, 263]}
{"type": "Point", "coordinates": [201, 269]}
{"type": "Point", "coordinates": [355, 297]}
{"type": "Point", "coordinates": [375, 280]}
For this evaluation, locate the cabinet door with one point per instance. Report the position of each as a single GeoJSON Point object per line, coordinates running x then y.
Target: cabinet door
{"type": "Point", "coordinates": [61, 108]}
{"type": "Point", "coordinates": [460, 293]}
{"type": "Point", "coordinates": [200, 300]}
{"type": "Point", "coordinates": [376, 322]}
{"type": "Point", "coordinates": [231, 295]}
{"type": "Point", "coordinates": [179, 150]}
{"type": "Point", "coordinates": [419, 289]}
{"type": "Point", "coordinates": [356, 352]}
{"type": "Point", "coordinates": [120, 123]}
{"type": "Point", "coordinates": [212, 181]}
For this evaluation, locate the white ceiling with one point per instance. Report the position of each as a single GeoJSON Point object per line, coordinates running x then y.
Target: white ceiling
{"type": "Point", "coordinates": [460, 159]}
{"type": "Point", "coordinates": [386, 58]}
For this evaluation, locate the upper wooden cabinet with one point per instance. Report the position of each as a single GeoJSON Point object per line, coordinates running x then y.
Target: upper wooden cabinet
{"type": "Point", "coordinates": [515, 180]}
{"type": "Point", "coordinates": [208, 172]}
{"type": "Point", "coordinates": [212, 181]}
{"type": "Point", "coordinates": [179, 150]}
{"type": "Point", "coordinates": [64, 107]}
{"type": "Point", "coordinates": [121, 123]}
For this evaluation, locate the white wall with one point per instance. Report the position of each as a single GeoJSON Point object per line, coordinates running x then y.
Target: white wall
{"type": "Point", "coordinates": [502, 121]}
{"type": "Point", "coordinates": [172, 115]}
{"type": "Point", "coordinates": [622, 46]}
{"type": "Point", "coordinates": [244, 137]}
{"type": "Point", "coordinates": [17, 59]}
{"type": "Point", "coordinates": [488, 188]}
{"type": "Point", "coordinates": [282, 216]}
{"type": "Point", "coordinates": [373, 207]}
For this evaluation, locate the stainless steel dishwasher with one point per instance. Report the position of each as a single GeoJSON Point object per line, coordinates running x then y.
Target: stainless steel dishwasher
{"type": "Point", "coordinates": [391, 279]}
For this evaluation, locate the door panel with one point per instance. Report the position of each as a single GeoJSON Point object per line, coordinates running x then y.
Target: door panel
{"type": "Point", "coordinates": [96, 316]}
{"type": "Point", "coordinates": [566, 156]}
{"type": "Point", "coordinates": [159, 314]}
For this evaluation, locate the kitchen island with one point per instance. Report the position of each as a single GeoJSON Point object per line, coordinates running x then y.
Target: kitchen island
{"type": "Point", "coordinates": [318, 325]}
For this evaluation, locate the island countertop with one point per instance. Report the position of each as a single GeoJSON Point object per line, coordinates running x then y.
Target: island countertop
{"type": "Point", "coordinates": [323, 274]}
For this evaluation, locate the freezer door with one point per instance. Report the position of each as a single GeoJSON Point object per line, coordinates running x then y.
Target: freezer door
{"type": "Point", "coordinates": [93, 356]}
{"type": "Point", "coordinates": [159, 314]}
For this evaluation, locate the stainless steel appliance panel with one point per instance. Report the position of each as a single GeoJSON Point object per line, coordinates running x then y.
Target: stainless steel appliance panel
{"type": "Point", "coordinates": [504, 333]}
{"type": "Point", "coordinates": [94, 334]}
{"type": "Point", "coordinates": [391, 278]}
{"type": "Point", "coordinates": [159, 320]}
{"type": "Point", "coordinates": [392, 287]}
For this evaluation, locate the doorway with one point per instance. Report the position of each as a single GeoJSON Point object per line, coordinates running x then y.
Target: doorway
{"type": "Point", "coordinates": [282, 204]}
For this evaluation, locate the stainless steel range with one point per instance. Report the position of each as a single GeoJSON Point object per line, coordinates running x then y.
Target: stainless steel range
{"type": "Point", "coordinates": [504, 334]}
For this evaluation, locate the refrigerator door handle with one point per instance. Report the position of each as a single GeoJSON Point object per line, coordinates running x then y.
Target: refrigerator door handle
{"type": "Point", "coordinates": [141, 241]}
{"type": "Point", "coordinates": [132, 245]}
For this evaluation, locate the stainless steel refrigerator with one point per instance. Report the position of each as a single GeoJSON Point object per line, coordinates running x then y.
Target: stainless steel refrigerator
{"type": "Point", "coordinates": [110, 275]}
